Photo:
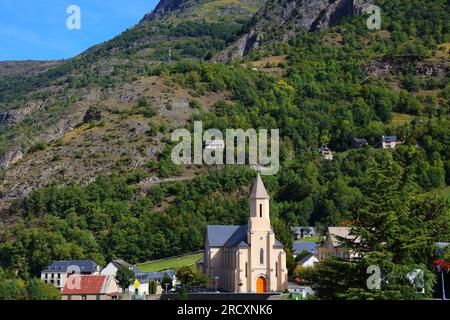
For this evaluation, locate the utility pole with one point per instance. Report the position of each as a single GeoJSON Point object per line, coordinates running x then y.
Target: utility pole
{"type": "Point", "coordinates": [443, 284]}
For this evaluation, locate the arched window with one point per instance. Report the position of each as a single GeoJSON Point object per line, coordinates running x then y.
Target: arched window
{"type": "Point", "coordinates": [246, 269]}
{"type": "Point", "coordinates": [261, 256]}
{"type": "Point", "coordinates": [260, 210]}
{"type": "Point", "coordinates": [276, 269]}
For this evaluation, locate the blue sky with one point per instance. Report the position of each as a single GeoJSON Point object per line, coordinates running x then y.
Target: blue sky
{"type": "Point", "coordinates": [36, 29]}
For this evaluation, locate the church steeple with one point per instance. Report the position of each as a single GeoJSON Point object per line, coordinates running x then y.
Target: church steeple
{"type": "Point", "coordinates": [259, 206]}
{"type": "Point", "coordinates": [259, 190]}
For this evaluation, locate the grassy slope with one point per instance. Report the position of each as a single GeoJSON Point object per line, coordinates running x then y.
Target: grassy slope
{"type": "Point", "coordinates": [309, 239]}
{"type": "Point", "coordinates": [170, 263]}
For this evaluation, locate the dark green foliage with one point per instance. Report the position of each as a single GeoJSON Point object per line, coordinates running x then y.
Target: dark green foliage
{"type": "Point", "coordinates": [125, 277]}
{"type": "Point", "coordinates": [38, 290]}
{"type": "Point", "coordinates": [32, 289]}
{"type": "Point", "coordinates": [166, 283]}
{"type": "Point", "coordinates": [102, 221]}
{"type": "Point", "coordinates": [152, 287]}
{"type": "Point", "coordinates": [39, 146]}
{"type": "Point", "coordinates": [395, 231]}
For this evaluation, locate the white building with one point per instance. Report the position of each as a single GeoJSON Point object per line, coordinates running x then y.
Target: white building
{"type": "Point", "coordinates": [58, 272]}
{"type": "Point", "coordinates": [112, 267]}
{"type": "Point", "coordinates": [308, 261]}
{"type": "Point", "coordinates": [389, 142]}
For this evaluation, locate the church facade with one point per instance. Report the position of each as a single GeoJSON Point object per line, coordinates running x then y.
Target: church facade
{"type": "Point", "coordinates": [247, 258]}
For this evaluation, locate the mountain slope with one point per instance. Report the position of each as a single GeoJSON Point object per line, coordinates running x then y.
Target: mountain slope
{"type": "Point", "coordinates": [46, 105]}
{"type": "Point", "coordinates": [282, 20]}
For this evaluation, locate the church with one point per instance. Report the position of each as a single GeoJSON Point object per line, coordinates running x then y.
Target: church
{"type": "Point", "coordinates": [247, 258]}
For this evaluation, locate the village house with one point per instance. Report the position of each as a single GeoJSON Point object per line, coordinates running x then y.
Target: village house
{"type": "Point", "coordinates": [360, 142]}
{"type": "Point", "coordinates": [247, 258]}
{"type": "Point", "coordinates": [90, 287]}
{"type": "Point", "coordinates": [326, 153]}
{"type": "Point", "coordinates": [389, 142]}
{"type": "Point", "coordinates": [58, 272]}
{"type": "Point", "coordinates": [141, 283]}
{"type": "Point", "coordinates": [303, 232]}
{"type": "Point", "coordinates": [332, 245]}
{"type": "Point", "coordinates": [308, 261]}
{"type": "Point", "coordinates": [114, 266]}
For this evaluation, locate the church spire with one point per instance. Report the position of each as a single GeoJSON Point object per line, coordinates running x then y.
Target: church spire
{"type": "Point", "coordinates": [259, 220]}
{"type": "Point", "coordinates": [259, 190]}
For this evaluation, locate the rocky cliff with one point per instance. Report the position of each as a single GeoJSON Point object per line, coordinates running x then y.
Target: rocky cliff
{"type": "Point", "coordinates": [282, 19]}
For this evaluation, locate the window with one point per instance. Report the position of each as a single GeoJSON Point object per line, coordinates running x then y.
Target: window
{"type": "Point", "coordinates": [261, 256]}
{"type": "Point", "coordinates": [276, 269]}
{"type": "Point", "coordinates": [260, 210]}
{"type": "Point", "coordinates": [83, 297]}
{"type": "Point", "coordinates": [246, 269]}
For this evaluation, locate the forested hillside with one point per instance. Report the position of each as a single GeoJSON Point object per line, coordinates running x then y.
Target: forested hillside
{"type": "Point", "coordinates": [321, 88]}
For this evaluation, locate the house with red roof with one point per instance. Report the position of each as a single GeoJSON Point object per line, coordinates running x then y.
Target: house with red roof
{"type": "Point", "coordinates": [90, 287]}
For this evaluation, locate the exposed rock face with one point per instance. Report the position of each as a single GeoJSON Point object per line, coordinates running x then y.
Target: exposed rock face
{"type": "Point", "coordinates": [10, 158]}
{"type": "Point", "coordinates": [281, 20]}
{"type": "Point", "coordinates": [17, 115]}
{"type": "Point", "coordinates": [381, 67]}
{"type": "Point", "coordinates": [164, 7]}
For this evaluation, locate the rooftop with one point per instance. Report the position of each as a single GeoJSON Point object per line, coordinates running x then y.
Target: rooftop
{"type": "Point", "coordinates": [299, 247]}
{"type": "Point", "coordinates": [306, 258]}
{"type": "Point", "coordinates": [83, 266]}
{"type": "Point", "coordinates": [145, 277]}
{"type": "Point", "coordinates": [230, 236]}
{"type": "Point", "coordinates": [389, 138]}
{"type": "Point", "coordinates": [338, 233]}
{"type": "Point", "coordinates": [87, 284]}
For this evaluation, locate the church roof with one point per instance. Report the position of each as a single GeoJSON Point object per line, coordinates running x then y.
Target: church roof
{"type": "Point", "coordinates": [230, 236]}
{"type": "Point", "coordinates": [259, 190]}
{"type": "Point", "coordinates": [227, 236]}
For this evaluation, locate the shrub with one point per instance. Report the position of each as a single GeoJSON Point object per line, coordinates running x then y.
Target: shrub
{"type": "Point", "coordinates": [152, 287]}
{"type": "Point", "coordinates": [39, 146]}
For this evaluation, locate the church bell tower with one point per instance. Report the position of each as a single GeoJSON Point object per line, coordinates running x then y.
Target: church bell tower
{"type": "Point", "coordinates": [259, 207]}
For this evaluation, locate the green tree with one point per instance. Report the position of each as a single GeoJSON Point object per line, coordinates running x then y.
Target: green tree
{"type": "Point", "coordinates": [38, 290]}
{"type": "Point", "coordinates": [12, 289]}
{"type": "Point", "coordinates": [393, 230]}
{"type": "Point", "coordinates": [186, 275]}
{"type": "Point", "coordinates": [166, 283]}
{"type": "Point", "coordinates": [125, 277]}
